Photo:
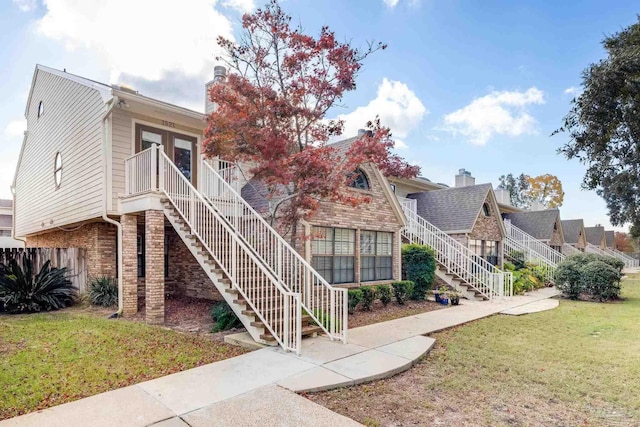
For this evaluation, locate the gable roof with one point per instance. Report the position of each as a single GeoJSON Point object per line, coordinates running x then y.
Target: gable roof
{"type": "Point", "coordinates": [538, 224]}
{"type": "Point", "coordinates": [595, 234]}
{"type": "Point", "coordinates": [452, 209]}
{"type": "Point", "coordinates": [572, 229]}
{"type": "Point", "coordinates": [610, 237]}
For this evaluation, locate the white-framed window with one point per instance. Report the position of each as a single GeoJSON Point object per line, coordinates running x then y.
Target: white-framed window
{"type": "Point", "coordinates": [57, 169]}
{"type": "Point", "coordinates": [358, 180]}
{"type": "Point", "coordinates": [40, 109]}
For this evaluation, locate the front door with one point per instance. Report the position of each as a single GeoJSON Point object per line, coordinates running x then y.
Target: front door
{"type": "Point", "coordinates": [180, 148]}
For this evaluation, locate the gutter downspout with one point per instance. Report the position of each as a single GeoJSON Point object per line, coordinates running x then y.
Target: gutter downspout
{"type": "Point", "coordinates": [13, 207]}
{"type": "Point", "coordinates": [118, 225]}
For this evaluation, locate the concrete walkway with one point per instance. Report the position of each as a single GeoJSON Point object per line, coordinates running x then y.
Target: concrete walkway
{"type": "Point", "coordinates": [258, 387]}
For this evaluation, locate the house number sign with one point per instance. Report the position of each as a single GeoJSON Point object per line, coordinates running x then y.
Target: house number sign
{"type": "Point", "coordinates": [168, 124]}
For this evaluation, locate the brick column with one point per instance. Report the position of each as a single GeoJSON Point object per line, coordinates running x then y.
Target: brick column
{"type": "Point", "coordinates": [154, 266]}
{"type": "Point", "coordinates": [129, 264]}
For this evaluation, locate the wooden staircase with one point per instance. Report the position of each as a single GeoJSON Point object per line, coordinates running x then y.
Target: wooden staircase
{"type": "Point", "coordinates": [236, 301]}
{"type": "Point", "coordinates": [456, 282]}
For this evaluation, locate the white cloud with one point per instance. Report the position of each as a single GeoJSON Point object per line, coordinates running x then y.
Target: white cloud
{"type": "Point", "coordinates": [25, 5]}
{"type": "Point", "coordinates": [15, 128]}
{"type": "Point", "coordinates": [499, 113]}
{"type": "Point", "coordinates": [398, 107]}
{"type": "Point", "coordinates": [142, 37]}
{"type": "Point", "coordinates": [571, 90]}
{"type": "Point", "coordinates": [391, 3]}
{"type": "Point", "coordinates": [240, 5]}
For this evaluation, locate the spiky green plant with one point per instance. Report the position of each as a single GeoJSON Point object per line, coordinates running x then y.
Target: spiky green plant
{"type": "Point", "coordinates": [24, 291]}
{"type": "Point", "coordinates": [103, 291]}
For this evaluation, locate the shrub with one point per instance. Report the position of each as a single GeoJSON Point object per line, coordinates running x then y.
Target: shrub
{"type": "Point", "coordinates": [23, 291]}
{"type": "Point", "coordinates": [402, 290]}
{"type": "Point", "coordinates": [103, 291]}
{"type": "Point", "coordinates": [601, 280]}
{"type": "Point", "coordinates": [325, 319]}
{"type": "Point", "coordinates": [517, 258]}
{"type": "Point", "coordinates": [369, 296]}
{"type": "Point", "coordinates": [419, 266]}
{"type": "Point", "coordinates": [384, 293]}
{"type": "Point", "coordinates": [224, 317]}
{"type": "Point", "coordinates": [355, 296]}
{"type": "Point", "coordinates": [568, 276]}
{"type": "Point", "coordinates": [508, 266]}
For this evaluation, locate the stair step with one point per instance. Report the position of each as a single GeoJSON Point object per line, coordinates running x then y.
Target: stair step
{"type": "Point", "coordinates": [306, 321]}
{"type": "Point", "coordinates": [306, 331]}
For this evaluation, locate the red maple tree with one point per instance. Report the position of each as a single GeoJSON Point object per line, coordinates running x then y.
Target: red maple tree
{"type": "Point", "coordinates": [271, 114]}
{"type": "Point", "coordinates": [623, 242]}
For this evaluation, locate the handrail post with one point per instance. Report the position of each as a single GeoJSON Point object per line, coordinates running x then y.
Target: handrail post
{"type": "Point", "coordinates": [332, 313]}
{"type": "Point", "coordinates": [287, 321]}
{"type": "Point", "coordinates": [160, 173]}
{"type": "Point", "coordinates": [154, 167]}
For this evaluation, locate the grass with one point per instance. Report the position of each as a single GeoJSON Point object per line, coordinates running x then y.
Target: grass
{"type": "Point", "coordinates": [578, 364]}
{"type": "Point", "coordinates": [52, 358]}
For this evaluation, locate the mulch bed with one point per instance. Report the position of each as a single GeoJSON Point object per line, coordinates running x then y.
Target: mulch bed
{"type": "Point", "coordinates": [190, 315]}
{"type": "Point", "coordinates": [380, 313]}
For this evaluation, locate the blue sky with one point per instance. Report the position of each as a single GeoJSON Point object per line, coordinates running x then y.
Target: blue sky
{"type": "Point", "coordinates": [463, 84]}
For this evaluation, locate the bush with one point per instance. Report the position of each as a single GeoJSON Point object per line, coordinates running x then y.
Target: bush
{"type": "Point", "coordinates": [517, 259]}
{"type": "Point", "coordinates": [419, 266]}
{"type": "Point", "coordinates": [601, 280]}
{"type": "Point", "coordinates": [402, 290]}
{"type": "Point", "coordinates": [369, 296]}
{"type": "Point", "coordinates": [324, 319]}
{"type": "Point", "coordinates": [384, 293]}
{"type": "Point", "coordinates": [568, 276]}
{"type": "Point", "coordinates": [224, 317]}
{"type": "Point", "coordinates": [354, 296]}
{"type": "Point", "coordinates": [23, 291]}
{"type": "Point", "coordinates": [103, 291]}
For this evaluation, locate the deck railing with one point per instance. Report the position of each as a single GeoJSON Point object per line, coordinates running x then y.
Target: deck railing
{"type": "Point", "coordinates": [567, 249]}
{"type": "Point", "coordinates": [327, 305]}
{"type": "Point", "coordinates": [454, 257]}
{"type": "Point", "coordinates": [512, 247]}
{"type": "Point", "coordinates": [628, 261]}
{"type": "Point", "coordinates": [279, 309]}
{"type": "Point", "coordinates": [141, 172]}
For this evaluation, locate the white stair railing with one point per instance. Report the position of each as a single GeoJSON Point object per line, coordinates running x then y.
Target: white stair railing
{"type": "Point", "coordinates": [456, 258]}
{"type": "Point", "coordinates": [567, 249]}
{"type": "Point", "coordinates": [327, 305]}
{"type": "Point", "coordinates": [633, 262]}
{"type": "Point", "coordinates": [535, 245]}
{"type": "Point", "coordinates": [593, 249]}
{"type": "Point", "coordinates": [628, 261]}
{"type": "Point", "coordinates": [277, 308]}
{"type": "Point", "coordinates": [510, 246]}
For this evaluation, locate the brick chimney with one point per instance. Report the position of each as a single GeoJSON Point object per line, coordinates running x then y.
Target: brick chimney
{"type": "Point", "coordinates": [464, 178]}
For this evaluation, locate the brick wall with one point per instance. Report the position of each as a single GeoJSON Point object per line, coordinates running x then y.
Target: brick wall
{"type": "Point", "coordinates": [129, 264]}
{"type": "Point", "coordinates": [377, 215]}
{"type": "Point", "coordinates": [154, 267]}
{"type": "Point", "coordinates": [98, 238]}
{"type": "Point", "coordinates": [556, 239]}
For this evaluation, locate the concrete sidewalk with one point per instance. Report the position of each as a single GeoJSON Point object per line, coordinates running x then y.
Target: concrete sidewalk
{"type": "Point", "coordinates": [258, 387]}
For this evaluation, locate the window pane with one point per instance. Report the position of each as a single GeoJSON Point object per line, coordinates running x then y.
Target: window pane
{"type": "Point", "coordinates": [322, 243]}
{"type": "Point", "coordinates": [343, 270]}
{"type": "Point", "coordinates": [367, 242]}
{"type": "Point", "coordinates": [384, 244]}
{"type": "Point", "coordinates": [345, 241]}
{"type": "Point", "coordinates": [150, 138]}
{"type": "Point", "coordinates": [324, 266]}
{"type": "Point", "coordinates": [367, 268]}
{"type": "Point", "coordinates": [182, 156]}
{"type": "Point", "coordinates": [490, 248]}
{"type": "Point", "coordinates": [476, 246]}
{"type": "Point", "coordinates": [384, 268]}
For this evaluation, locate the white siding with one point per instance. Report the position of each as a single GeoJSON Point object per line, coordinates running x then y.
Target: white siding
{"type": "Point", "coordinates": [71, 124]}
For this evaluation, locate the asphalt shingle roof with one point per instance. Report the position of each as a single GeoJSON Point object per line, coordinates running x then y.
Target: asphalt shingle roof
{"type": "Point", "coordinates": [539, 224]}
{"type": "Point", "coordinates": [452, 209]}
{"type": "Point", "coordinates": [610, 236]}
{"type": "Point", "coordinates": [594, 235]}
{"type": "Point", "coordinates": [571, 229]}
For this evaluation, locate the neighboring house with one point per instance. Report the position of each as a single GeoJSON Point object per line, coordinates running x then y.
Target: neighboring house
{"type": "Point", "coordinates": [596, 236]}
{"type": "Point", "coordinates": [6, 226]}
{"type": "Point", "coordinates": [610, 238]}
{"type": "Point", "coordinates": [544, 225]}
{"type": "Point", "coordinates": [469, 214]}
{"type": "Point", "coordinates": [574, 233]}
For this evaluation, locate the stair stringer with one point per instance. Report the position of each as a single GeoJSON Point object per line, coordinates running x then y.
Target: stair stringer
{"type": "Point", "coordinates": [458, 284]}
{"type": "Point", "coordinates": [208, 264]}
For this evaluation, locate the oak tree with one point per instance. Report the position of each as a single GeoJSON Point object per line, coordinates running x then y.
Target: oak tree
{"type": "Point", "coordinates": [546, 189]}
{"type": "Point", "coordinates": [517, 187]}
{"type": "Point", "coordinates": [272, 114]}
{"type": "Point", "coordinates": [604, 126]}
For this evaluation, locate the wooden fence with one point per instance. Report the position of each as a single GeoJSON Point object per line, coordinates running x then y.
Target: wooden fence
{"type": "Point", "coordinates": [74, 259]}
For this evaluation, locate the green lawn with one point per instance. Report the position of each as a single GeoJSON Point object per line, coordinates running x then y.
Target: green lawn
{"type": "Point", "coordinates": [52, 358]}
{"type": "Point", "coordinates": [578, 364]}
